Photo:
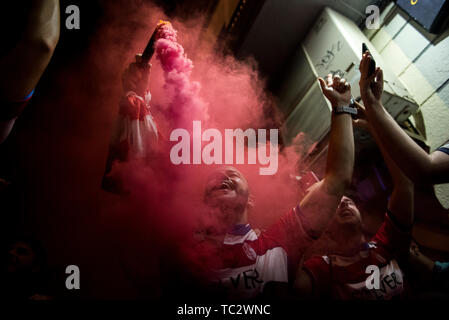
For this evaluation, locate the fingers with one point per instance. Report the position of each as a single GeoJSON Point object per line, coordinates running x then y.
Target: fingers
{"type": "Point", "coordinates": [138, 71]}
{"type": "Point", "coordinates": [132, 71]}
{"type": "Point", "coordinates": [133, 68]}
{"type": "Point", "coordinates": [339, 83]}
{"type": "Point", "coordinates": [373, 77]}
{"type": "Point", "coordinates": [146, 65]}
{"type": "Point", "coordinates": [342, 85]}
{"type": "Point", "coordinates": [364, 65]}
{"type": "Point", "coordinates": [346, 87]}
{"type": "Point", "coordinates": [136, 76]}
{"type": "Point", "coordinates": [329, 80]}
{"type": "Point", "coordinates": [379, 75]}
{"type": "Point", "coordinates": [336, 81]}
{"type": "Point", "coordinates": [322, 84]}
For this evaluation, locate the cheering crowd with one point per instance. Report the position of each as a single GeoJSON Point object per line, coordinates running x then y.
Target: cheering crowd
{"type": "Point", "coordinates": [249, 263]}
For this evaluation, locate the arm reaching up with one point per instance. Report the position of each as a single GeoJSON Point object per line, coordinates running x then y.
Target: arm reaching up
{"type": "Point", "coordinates": [419, 166]}
{"type": "Point", "coordinates": [401, 201]}
{"type": "Point", "coordinates": [323, 198]}
{"type": "Point", "coordinates": [320, 204]}
{"type": "Point", "coordinates": [135, 135]}
{"type": "Point", "coordinates": [24, 65]}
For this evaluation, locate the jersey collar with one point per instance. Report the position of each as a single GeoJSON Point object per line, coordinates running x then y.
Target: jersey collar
{"type": "Point", "coordinates": [239, 229]}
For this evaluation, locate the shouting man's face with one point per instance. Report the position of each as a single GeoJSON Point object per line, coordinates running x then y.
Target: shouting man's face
{"type": "Point", "coordinates": [227, 194]}
{"type": "Point", "coordinates": [348, 213]}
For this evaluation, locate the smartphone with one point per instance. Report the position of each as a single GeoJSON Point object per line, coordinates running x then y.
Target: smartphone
{"type": "Point", "coordinates": [372, 65]}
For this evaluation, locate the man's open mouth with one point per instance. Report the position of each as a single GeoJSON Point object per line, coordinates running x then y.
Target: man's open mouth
{"type": "Point", "coordinates": [346, 213]}
{"type": "Point", "coordinates": [225, 184]}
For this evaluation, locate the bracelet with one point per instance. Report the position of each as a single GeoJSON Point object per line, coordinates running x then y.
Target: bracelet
{"type": "Point", "coordinates": [350, 109]}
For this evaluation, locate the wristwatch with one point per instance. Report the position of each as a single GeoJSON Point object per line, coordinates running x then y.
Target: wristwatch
{"type": "Point", "coordinates": [347, 109]}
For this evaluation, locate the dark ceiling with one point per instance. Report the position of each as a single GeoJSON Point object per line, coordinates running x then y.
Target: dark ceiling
{"type": "Point", "coordinates": [281, 25]}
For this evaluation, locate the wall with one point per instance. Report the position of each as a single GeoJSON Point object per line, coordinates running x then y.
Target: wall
{"type": "Point", "coordinates": [421, 61]}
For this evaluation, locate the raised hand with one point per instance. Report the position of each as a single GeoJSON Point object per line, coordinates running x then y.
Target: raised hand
{"type": "Point", "coordinates": [371, 87]}
{"type": "Point", "coordinates": [137, 77]}
{"type": "Point", "coordinates": [336, 90]}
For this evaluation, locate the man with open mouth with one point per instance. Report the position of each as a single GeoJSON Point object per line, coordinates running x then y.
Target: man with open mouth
{"type": "Point", "coordinates": [354, 266]}
{"type": "Point", "coordinates": [245, 259]}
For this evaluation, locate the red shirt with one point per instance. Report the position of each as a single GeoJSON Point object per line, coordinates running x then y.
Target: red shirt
{"type": "Point", "coordinates": [245, 262]}
{"type": "Point", "coordinates": [345, 278]}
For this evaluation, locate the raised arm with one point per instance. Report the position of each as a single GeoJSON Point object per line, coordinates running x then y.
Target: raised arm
{"type": "Point", "coordinates": [419, 166]}
{"type": "Point", "coordinates": [340, 158]}
{"type": "Point", "coordinates": [133, 108]}
{"type": "Point", "coordinates": [23, 66]}
{"type": "Point", "coordinates": [320, 203]}
{"type": "Point", "coordinates": [401, 200]}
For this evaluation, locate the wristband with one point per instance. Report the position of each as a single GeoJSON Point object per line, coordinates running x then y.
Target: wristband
{"type": "Point", "coordinates": [349, 109]}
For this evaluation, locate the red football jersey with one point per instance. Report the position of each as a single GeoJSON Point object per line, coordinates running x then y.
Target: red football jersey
{"type": "Point", "coordinates": [250, 261]}
{"type": "Point", "coordinates": [345, 277]}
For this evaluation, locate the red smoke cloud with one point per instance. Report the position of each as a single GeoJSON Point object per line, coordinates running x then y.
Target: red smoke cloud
{"type": "Point", "coordinates": [117, 241]}
{"type": "Point", "coordinates": [223, 93]}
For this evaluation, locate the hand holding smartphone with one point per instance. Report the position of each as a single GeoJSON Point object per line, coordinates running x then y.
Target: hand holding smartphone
{"type": "Point", "coordinates": [372, 66]}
